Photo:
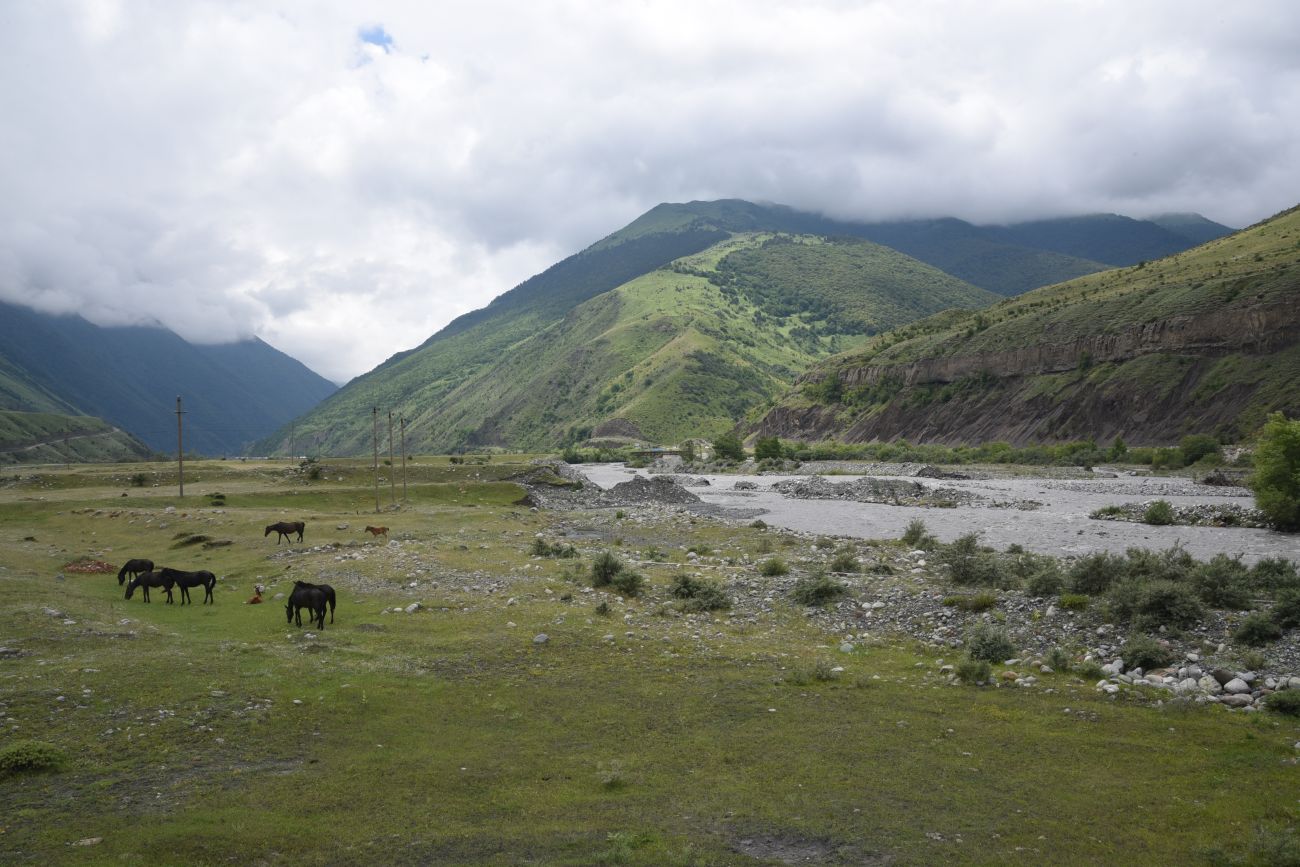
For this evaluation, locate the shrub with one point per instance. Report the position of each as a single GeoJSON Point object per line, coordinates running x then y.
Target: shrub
{"type": "Point", "coordinates": [758, 524]}
{"type": "Point", "coordinates": [1144, 652]}
{"type": "Point", "coordinates": [917, 536]}
{"type": "Point", "coordinates": [698, 594]}
{"type": "Point", "coordinates": [1197, 446]}
{"type": "Point", "coordinates": [844, 562]}
{"type": "Point", "coordinates": [989, 643]}
{"type": "Point", "coordinates": [1152, 604]}
{"type": "Point", "coordinates": [1038, 573]}
{"type": "Point", "coordinates": [978, 602]}
{"type": "Point", "coordinates": [1286, 611]}
{"type": "Point", "coordinates": [766, 448]}
{"type": "Point", "coordinates": [1276, 480]}
{"type": "Point", "coordinates": [817, 589]}
{"type": "Point", "coordinates": [1274, 573]}
{"type": "Point", "coordinates": [1223, 582]}
{"type": "Point", "coordinates": [1095, 573]}
{"type": "Point", "coordinates": [1256, 630]}
{"type": "Point", "coordinates": [1073, 601]}
{"type": "Point", "coordinates": [969, 563]}
{"type": "Point", "coordinates": [1158, 513]}
{"type": "Point", "coordinates": [542, 548]}
{"type": "Point", "coordinates": [1286, 701]}
{"type": "Point", "coordinates": [824, 542]}
{"type": "Point", "coordinates": [27, 757]}
{"type": "Point", "coordinates": [1171, 564]}
{"type": "Point", "coordinates": [604, 568]}
{"type": "Point", "coordinates": [974, 671]}
{"type": "Point", "coordinates": [772, 567]}
{"type": "Point", "coordinates": [1058, 659]}
{"type": "Point", "coordinates": [603, 608]}
{"type": "Point", "coordinates": [1089, 670]}
{"type": "Point", "coordinates": [628, 583]}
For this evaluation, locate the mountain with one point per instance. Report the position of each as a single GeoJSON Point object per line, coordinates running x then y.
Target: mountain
{"type": "Point", "coordinates": [655, 309]}
{"type": "Point", "coordinates": [131, 376]}
{"type": "Point", "coordinates": [40, 437]}
{"type": "Point", "coordinates": [1204, 341]}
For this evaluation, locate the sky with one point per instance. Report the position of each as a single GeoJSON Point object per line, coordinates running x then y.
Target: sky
{"type": "Point", "coordinates": [343, 179]}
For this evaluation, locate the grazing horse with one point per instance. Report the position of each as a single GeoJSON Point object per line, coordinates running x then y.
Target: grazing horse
{"type": "Point", "coordinates": [311, 598]}
{"type": "Point", "coordinates": [186, 580]}
{"type": "Point", "coordinates": [133, 568]}
{"type": "Point", "coordinates": [377, 531]}
{"type": "Point", "coordinates": [324, 588]}
{"type": "Point", "coordinates": [151, 579]}
{"type": "Point", "coordinates": [285, 528]}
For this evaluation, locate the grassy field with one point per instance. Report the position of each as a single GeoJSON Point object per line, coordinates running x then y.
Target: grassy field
{"type": "Point", "coordinates": [219, 734]}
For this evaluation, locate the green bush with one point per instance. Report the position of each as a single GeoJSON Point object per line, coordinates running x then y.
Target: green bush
{"type": "Point", "coordinates": [542, 548]}
{"type": "Point", "coordinates": [604, 568]}
{"type": "Point", "coordinates": [1257, 630]}
{"type": "Point", "coordinates": [729, 448]}
{"type": "Point", "coordinates": [768, 448]}
{"type": "Point", "coordinates": [1144, 652]}
{"type": "Point", "coordinates": [1089, 670]}
{"type": "Point", "coordinates": [1058, 659]}
{"type": "Point", "coordinates": [1073, 601]}
{"type": "Point", "coordinates": [1274, 573]}
{"type": "Point", "coordinates": [1276, 480]}
{"type": "Point", "coordinates": [1158, 513]}
{"type": "Point", "coordinates": [628, 583]}
{"type": "Point", "coordinates": [1171, 564]}
{"type": "Point", "coordinates": [27, 757]}
{"type": "Point", "coordinates": [1286, 610]}
{"type": "Point", "coordinates": [844, 562]}
{"type": "Point", "coordinates": [1150, 604]}
{"type": "Point", "coordinates": [1223, 582]}
{"type": "Point", "coordinates": [817, 589]}
{"type": "Point", "coordinates": [698, 594]}
{"type": "Point", "coordinates": [1197, 446]}
{"type": "Point", "coordinates": [970, 564]}
{"type": "Point", "coordinates": [989, 643]}
{"type": "Point", "coordinates": [977, 602]}
{"type": "Point", "coordinates": [917, 536]}
{"type": "Point", "coordinates": [974, 671]}
{"type": "Point", "coordinates": [1095, 573]}
{"type": "Point", "coordinates": [1039, 574]}
{"type": "Point", "coordinates": [772, 567]}
{"type": "Point", "coordinates": [1286, 701]}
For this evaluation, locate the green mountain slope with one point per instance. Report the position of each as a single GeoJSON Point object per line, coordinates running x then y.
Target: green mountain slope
{"type": "Point", "coordinates": [42, 438]}
{"type": "Point", "coordinates": [680, 351]}
{"type": "Point", "coordinates": [1207, 340]}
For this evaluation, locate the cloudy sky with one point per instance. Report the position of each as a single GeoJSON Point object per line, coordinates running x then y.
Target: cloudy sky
{"type": "Point", "coordinates": [344, 179]}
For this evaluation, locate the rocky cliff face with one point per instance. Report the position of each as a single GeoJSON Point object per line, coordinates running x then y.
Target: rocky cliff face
{"type": "Point", "coordinates": [1149, 383]}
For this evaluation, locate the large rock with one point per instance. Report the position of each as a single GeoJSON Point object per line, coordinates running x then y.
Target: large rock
{"type": "Point", "coordinates": [1237, 686]}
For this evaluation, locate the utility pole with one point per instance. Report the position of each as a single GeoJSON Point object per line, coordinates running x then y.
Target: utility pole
{"type": "Point", "coordinates": [180, 447]}
{"type": "Point", "coordinates": [374, 438]}
{"type": "Point", "coordinates": [292, 430]}
{"type": "Point", "coordinates": [392, 469]}
{"type": "Point", "coordinates": [403, 459]}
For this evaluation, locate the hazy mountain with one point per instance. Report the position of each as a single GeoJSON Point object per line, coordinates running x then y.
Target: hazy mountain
{"type": "Point", "coordinates": [131, 376]}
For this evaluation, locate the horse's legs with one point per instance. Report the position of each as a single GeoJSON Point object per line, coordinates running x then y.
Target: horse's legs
{"type": "Point", "coordinates": [145, 588]}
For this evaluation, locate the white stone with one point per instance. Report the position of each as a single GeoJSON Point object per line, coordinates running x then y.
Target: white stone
{"type": "Point", "coordinates": [1209, 684]}
{"type": "Point", "coordinates": [412, 608]}
{"type": "Point", "coordinates": [541, 638]}
{"type": "Point", "coordinates": [1236, 686]}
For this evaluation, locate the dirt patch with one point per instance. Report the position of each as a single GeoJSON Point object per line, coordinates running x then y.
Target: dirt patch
{"type": "Point", "coordinates": [89, 566]}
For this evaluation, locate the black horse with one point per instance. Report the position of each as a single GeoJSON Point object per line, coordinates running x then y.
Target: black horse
{"type": "Point", "coordinates": [133, 568]}
{"type": "Point", "coordinates": [150, 579]}
{"type": "Point", "coordinates": [285, 529]}
{"type": "Point", "coordinates": [186, 580]}
{"type": "Point", "coordinates": [311, 598]}
{"type": "Point", "coordinates": [324, 588]}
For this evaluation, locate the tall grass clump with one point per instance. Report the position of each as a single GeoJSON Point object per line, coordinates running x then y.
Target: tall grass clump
{"type": "Point", "coordinates": [989, 643]}
{"type": "Point", "coordinates": [1158, 513]}
{"type": "Point", "coordinates": [918, 536]}
{"type": "Point", "coordinates": [844, 562]}
{"type": "Point", "coordinates": [628, 583]}
{"type": "Point", "coordinates": [604, 568]}
{"type": "Point", "coordinates": [698, 594]}
{"type": "Point", "coordinates": [1144, 652]}
{"type": "Point", "coordinates": [969, 563]}
{"type": "Point", "coordinates": [817, 589]}
{"type": "Point", "coordinates": [773, 567]}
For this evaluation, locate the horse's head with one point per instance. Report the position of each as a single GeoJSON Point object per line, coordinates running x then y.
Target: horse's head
{"type": "Point", "coordinates": [288, 611]}
{"type": "Point", "coordinates": [130, 587]}
{"type": "Point", "coordinates": [268, 531]}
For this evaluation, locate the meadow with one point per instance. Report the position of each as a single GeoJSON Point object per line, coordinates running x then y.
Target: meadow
{"type": "Point", "coordinates": [474, 703]}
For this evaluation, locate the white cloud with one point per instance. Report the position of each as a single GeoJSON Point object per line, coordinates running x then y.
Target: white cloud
{"type": "Point", "coordinates": [344, 179]}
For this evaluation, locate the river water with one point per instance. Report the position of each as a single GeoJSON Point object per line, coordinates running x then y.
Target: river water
{"type": "Point", "coordinates": [1060, 526]}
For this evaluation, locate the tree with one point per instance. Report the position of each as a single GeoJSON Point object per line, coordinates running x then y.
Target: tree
{"type": "Point", "coordinates": [729, 447]}
{"type": "Point", "coordinates": [768, 447]}
{"type": "Point", "coordinates": [1276, 480]}
{"type": "Point", "coordinates": [688, 451]}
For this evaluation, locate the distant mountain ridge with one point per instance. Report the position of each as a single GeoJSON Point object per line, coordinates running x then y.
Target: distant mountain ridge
{"type": "Point", "coordinates": [1203, 341]}
{"type": "Point", "coordinates": [130, 376]}
{"type": "Point", "coordinates": [681, 322]}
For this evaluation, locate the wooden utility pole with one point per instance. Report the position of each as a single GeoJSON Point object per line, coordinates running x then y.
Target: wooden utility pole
{"type": "Point", "coordinates": [392, 467]}
{"type": "Point", "coordinates": [375, 440]}
{"type": "Point", "coordinates": [180, 447]}
{"type": "Point", "coordinates": [403, 459]}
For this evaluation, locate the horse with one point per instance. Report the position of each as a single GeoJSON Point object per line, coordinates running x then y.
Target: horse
{"type": "Point", "coordinates": [311, 598]}
{"type": "Point", "coordinates": [377, 531]}
{"type": "Point", "coordinates": [324, 588]}
{"type": "Point", "coordinates": [186, 580]}
{"type": "Point", "coordinates": [150, 579]}
{"type": "Point", "coordinates": [285, 528]}
{"type": "Point", "coordinates": [133, 568]}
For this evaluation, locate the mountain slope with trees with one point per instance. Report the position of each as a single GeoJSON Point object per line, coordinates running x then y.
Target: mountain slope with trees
{"type": "Point", "coordinates": [1204, 341]}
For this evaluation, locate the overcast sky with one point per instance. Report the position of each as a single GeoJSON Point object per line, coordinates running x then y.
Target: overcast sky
{"type": "Point", "coordinates": [344, 179]}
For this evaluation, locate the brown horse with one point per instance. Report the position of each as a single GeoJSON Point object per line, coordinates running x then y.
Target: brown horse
{"type": "Point", "coordinates": [285, 529]}
{"type": "Point", "coordinates": [378, 531]}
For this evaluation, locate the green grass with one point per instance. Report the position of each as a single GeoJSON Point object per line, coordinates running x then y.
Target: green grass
{"type": "Point", "coordinates": [449, 736]}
